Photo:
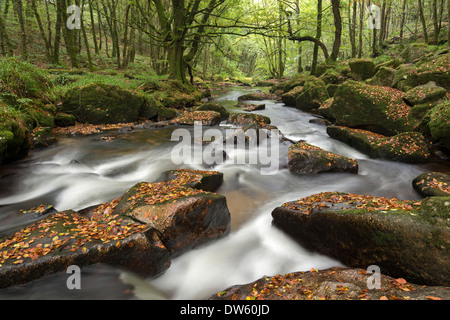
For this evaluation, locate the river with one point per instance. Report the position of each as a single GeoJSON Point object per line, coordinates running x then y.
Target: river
{"type": "Point", "coordinates": [85, 170]}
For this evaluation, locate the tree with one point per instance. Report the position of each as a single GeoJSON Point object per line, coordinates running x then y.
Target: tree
{"type": "Point", "coordinates": [338, 29]}
{"type": "Point", "coordinates": [422, 19]}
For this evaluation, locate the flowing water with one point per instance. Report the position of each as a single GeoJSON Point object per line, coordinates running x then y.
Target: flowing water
{"type": "Point", "coordinates": [82, 171]}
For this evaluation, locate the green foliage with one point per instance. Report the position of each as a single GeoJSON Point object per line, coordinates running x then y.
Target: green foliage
{"type": "Point", "coordinates": [22, 79]}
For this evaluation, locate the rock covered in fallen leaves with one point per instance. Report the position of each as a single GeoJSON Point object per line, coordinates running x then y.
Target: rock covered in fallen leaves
{"type": "Point", "coordinates": [207, 118]}
{"type": "Point", "coordinates": [331, 284]}
{"type": "Point", "coordinates": [245, 119]}
{"type": "Point", "coordinates": [436, 124]}
{"type": "Point", "coordinates": [426, 93]}
{"type": "Point", "coordinates": [432, 184]}
{"type": "Point", "coordinates": [214, 106]}
{"type": "Point", "coordinates": [42, 137]}
{"type": "Point", "coordinates": [140, 231]}
{"type": "Point", "coordinates": [257, 96]}
{"type": "Point", "coordinates": [204, 180]}
{"type": "Point", "coordinates": [305, 158]}
{"type": "Point", "coordinates": [407, 239]}
{"type": "Point", "coordinates": [375, 108]}
{"type": "Point", "coordinates": [409, 147]}
{"type": "Point", "coordinates": [435, 68]}
{"type": "Point", "coordinates": [185, 217]}
{"type": "Point", "coordinates": [69, 238]}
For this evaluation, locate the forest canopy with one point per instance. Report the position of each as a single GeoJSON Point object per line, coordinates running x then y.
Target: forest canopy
{"type": "Point", "coordinates": [214, 38]}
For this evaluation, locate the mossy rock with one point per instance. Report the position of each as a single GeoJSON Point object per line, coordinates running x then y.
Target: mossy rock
{"type": "Point", "coordinates": [214, 106]}
{"type": "Point", "coordinates": [296, 80]}
{"type": "Point", "coordinates": [436, 69]}
{"type": "Point", "coordinates": [246, 119]}
{"type": "Point", "coordinates": [362, 69]}
{"type": "Point", "coordinates": [375, 108]}
{"type": "Point", "coordinates": [432, 184]}
{"type": "Point", "coordinates": [313, 94]}
{"type": "Point", "coordinates": [290, 98]}
{"type": "Point", "coordinates": [426, 93]}
{"type": "Point", "coordinates": [174, 94]}
{"type": "Point", "coordinates": [436, 123]}
{"type": "Point", "coordinates": [384, 77]}
{"type": "Point", "coordinates": [102, 104]}
{"type": "Point", "coordinates": [308, 159]}
{"type": "Point", "coordinates": [166, 114]}
{"type": "Point", "coordinates": [42, 137]}
{"type": "Point", "coordinates": [64, 120]}
{"type": "Point", "coordinates": [408, 147]}
{"type": "Point", "coordinates": [14, 134]}
{"type": "Point", "coordinates": [363, 230]}
{"type": "Point", "coordinates": [150, 108]}
{"type": "Point", "coordinates": [331, 76]}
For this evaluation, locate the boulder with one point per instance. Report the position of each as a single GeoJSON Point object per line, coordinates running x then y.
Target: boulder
{"type": "Point", "coordinates": [185, 217]}
{"type": "Point", "coordinates": [409, 147]}
{"type": "Point", "coordinates": [362, 69]}
{"type": "Point", "coordinates": [375, 108]}
{"type": "Point", "coordinates": [290, 98]}
{"type": "Point", "coordinates": [434, 69]}
{"type": "Point", "coordinates": [68, 238]}
{"type": "Point", "coordinates": [64, 120]}
{"type": "Point", "coordinates": [331, 284]}
{"type": "Point", "coordinates": [384, 77]}
{"type": "Point", "coordinates": [245, 119]}
{"type": "Point", "coordinates": [257, 96]}
{"type": "Point", "coordinates": [407, 239]}
{"type": "Point", "coordinates": [207, 118]}
{"type": "Point", "coordinates": [432, 184]}
{"type": "Point", "coordinates": [102, 104]}
{"type": "Point", "coordinates": [296, 80]}
{"type": "Point", "coordinates": [427, 93]}
{"type": "Point", "coordinates": [42, 137]}
{"type": "Point", "coordinates": [214, 106]}
{"type": "Point", "coordinates": [313, 94]}
{"type": "Point", "coordinates": [140, 231]}
{"type": "Point", "coordinates": [14, 134]}
{"type": "Point", "coordinates": [306, 159]}
{"type": "Point", "coordinates": [436, 124]}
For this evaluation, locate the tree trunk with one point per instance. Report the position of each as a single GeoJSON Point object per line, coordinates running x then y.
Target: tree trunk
{"type": "Point", "coordinates": [18, 7]}
{"type": "Point", "coordinates": [402, 20]}
{"type": "Point", "coordinates": [338, 29]}
{"type": "Point", "coordinates": [422, 19]}
{"type": "Point", "coordinates": [6, 44]}
{"type": "Point", "coordinates": [448, 22]}
{"type": "Point", "coordinates": [94, 35]}
{"type": "Point", "coordinates": [361, 27]}
{"type": "Point", "coordinates": [48, 49]}
{"type": "Point", "coordinates": [435, 22]}
{"type": "Point", "coordinates": [318, 35]}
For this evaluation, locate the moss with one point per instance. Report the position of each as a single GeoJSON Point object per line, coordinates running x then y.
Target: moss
{"type": "Point", "coordinates": [313, 94]}
{"type": "Point", "coordinates": [14, 130]}
{"type": "Point", "coordinates": [362, 69]}
{"type": "Point", "coordinates": [375, 108]}
{"type": "Point", "coordinates": [64, 120]}
{"type": "Point", "coordinates": [166, 113]}
{"type": "Point", "coordinates": [102, 104]}
{"type": "Point", "coordinates": [436, 123]}
{"type": "Point", "coordinates": [150, 108]}
{"type": "Point", "coordinates": [217, 107]}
